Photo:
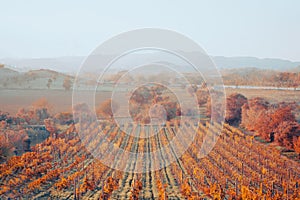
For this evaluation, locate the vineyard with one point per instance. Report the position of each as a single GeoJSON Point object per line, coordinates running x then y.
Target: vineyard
{"type": "Point", "coordinates": [238, 167]}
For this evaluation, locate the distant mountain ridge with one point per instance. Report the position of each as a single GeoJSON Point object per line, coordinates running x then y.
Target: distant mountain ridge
{"type": "Point", "coordinates": [71, 64]}
{"type": "Point", "coordinates": [253, 62]}
{"type": "Point", "coordinates": [68, 64]}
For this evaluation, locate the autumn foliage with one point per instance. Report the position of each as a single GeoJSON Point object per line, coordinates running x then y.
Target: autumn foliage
{"type": "Point", "coordinates": [156, 101]}
{"type": "Point", "coordinates": [234, 104]}
{"type": "Point", "coordinates": [238, 167]}
{"type": "Point", "coordinates": [273, 122]}
{"type": "Point", "coordinates": [106, 109]}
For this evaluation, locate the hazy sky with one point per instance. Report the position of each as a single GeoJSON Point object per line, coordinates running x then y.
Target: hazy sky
{"type": "Point", "coordinates": [269, 28]}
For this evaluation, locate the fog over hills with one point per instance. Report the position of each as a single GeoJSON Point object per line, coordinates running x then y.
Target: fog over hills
{"type": "Point", "coordinates": [68, 64]}
{"type": "Point", "coordinates": [260, 63]}
{"type": "Point", "coordinates": [71, 64]}
{"type": "Point", "coordinates": [51, 73]}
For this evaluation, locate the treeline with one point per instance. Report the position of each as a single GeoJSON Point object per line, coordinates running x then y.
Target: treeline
{"type": "Point", "coordinates": [257, 77]}
{"type": "Point", "coordinates": [145, 104]}
{"type": "Point", "coordinates": [273, 122]}
{"type": "Point", "coordinates": [15, 130]}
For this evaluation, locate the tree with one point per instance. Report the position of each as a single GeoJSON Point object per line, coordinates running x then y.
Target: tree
{"type": "Point", "coordinates": [36, 113]}
{"type": "Point", "coordinates": [5, 148]}
{"type": "Point", "coordinates": [49, 83]}
{"type": "Point", "coordinates": [253, 110]}
{"type": "Point", "coordinates": [158, 112]}
{"type": "Point", "coordinates": [234, 105]}
{"type": "Point", "coordinates": [296, 143]}
{"type": "Point", "coordinates": [153, 102]}
{"type": "Point", "coordinates": [106, 109]}
{"type": "Point", "coordinates": [282, 114]}
{"type": "Point", "coordinates": [279, 119]}
{"type": "Point", "coordinates": [67, 83]}
{"type": "Point", "coordinates": [64, 118]}
{"type": "Point", "coordinates": [41, 109]}
{"type": "Point", "coordinates": [268, 120]}
{"type": "Point", "coordinates": [202, 96]}
{"type": "Point", "coordinates": [50, 126]}
{"type": "Point", "coordinates": [285, 133]}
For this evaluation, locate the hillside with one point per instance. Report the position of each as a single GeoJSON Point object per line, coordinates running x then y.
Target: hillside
{"type": "Point", "coordinates": [33, 79]}
{"type": "Point", "coordinates": [71, 64]}
{"type": "Point", "coordinates": [68, 64]}
{"type": "Point", "coordinates": [261, 77]}
{"type": "Point", "coordinates": [48, 79]}
{"type": "Point", "coordinates": [250, 62]}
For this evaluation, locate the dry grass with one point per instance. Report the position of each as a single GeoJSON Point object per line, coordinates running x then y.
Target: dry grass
{"type": "Point", "coordinates": [12, 100]}
{"type": "Point", "coordinates": [273, 96]}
